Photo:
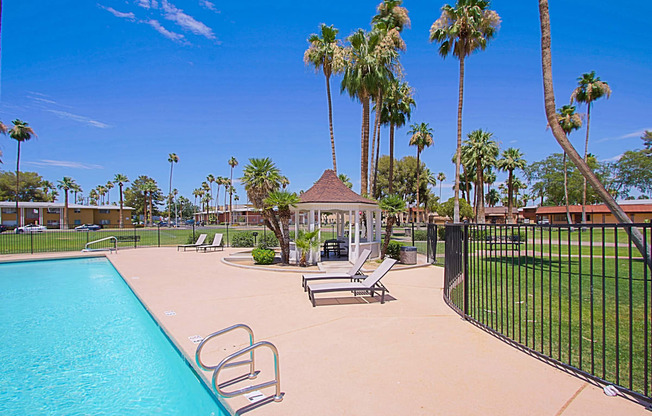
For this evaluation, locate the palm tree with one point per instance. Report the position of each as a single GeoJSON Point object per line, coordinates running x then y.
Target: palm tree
{"type": "Point", "coordinates": [197, 193]}
{"type": "Point", "coordinates": [325, 54]}
{"type": "Point", "coordinates": [76, 188]}
{"type": "Point", "coordinates": [397, 109]}
{"type": "Point", "coordinates": [366, 69]}
{"type": "Point", "coordinates": [172, 158]}
{"type": "Point", "coordinates": [109, 185]}
{"type": "Point", "coordinates": [510, 160]}
{"type": "Point", "coordinates": [482, 151]}
{"type": "Point", "coordinates": [211, 179]}
{"type": "Point", "coordinates": [569, 121]}
{"type": "Point", "coordinates": [492, 197]}
{"type": "Point", "coordinates": [224, 181]}
{"type": "Point", "coordinates": [65, 184]}
{"type": "Point", "coordinates": [233, 162]}
{"type": "Point", "coordinates": [441, 177]}
{"type": "Point", "coordinates": [101, 190]}
{"type": "Point", "coordinates": [589, 89]}
{"type": "Point", "coordinates": [47, 186]}
{"type": "Point", "coordinates": [421, 138]}
{"type": "Point", "coordinates": [150, 188]}
{"type": "Point", "coordinates": [462, 30]}
{"type": "Point", "coordinates": [392, 205]}
{"type": "Point", "coordinates": [21, 132]}
{"type": "Point", "coordinates": [92, 196]}
{"type": "Point", "coordinates": [283, 201]}
{"type": "Point", "coordinates": [345, 180]}
{"type": "Point", "coordinates": [647, 142]}
{"type": "Point", "coordinates": [3, 127]}
{"type": "Point", "coordinates": [120, 179]}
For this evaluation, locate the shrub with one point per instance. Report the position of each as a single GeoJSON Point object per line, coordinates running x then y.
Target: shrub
{"type": "Point", "coordinates": [267, 240]}
{"type": "Point", "coordinates": [263, 256]}
{"type": "Point", "coordinates": [394, 250]}
{"type": "Point", "coordinates": [441, 233]}
{"type": "Point", "coordinates": [242, 239]}
{"type": "Point", "coordinates": [420, 235]}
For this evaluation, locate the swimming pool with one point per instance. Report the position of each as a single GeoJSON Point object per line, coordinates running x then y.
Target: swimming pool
{"type": "Point", "coordinates": [74, 339]}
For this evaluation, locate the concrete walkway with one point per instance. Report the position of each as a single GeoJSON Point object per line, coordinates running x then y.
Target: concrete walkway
{"type": "Point", "coordinates": [411, 356]}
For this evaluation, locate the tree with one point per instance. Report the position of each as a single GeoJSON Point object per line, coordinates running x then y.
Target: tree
{"type": "Point", "coordinates": [589, 89]}
{"type": "Point", "coordinates": [492, 197]}
{"type": "Point", "coordinates": [172, 158]}
{"type": "Point", "coordinates": [345, 180]}
{"type": "Point", "coordinates": [558, 133]}
{"type": "Point", "coordinates": [510, 160]}
{"type": "Point", "coordinates": [634, 170]}
{"type": "Point", "coordinates": [120, 179]}
{"type": "Point", "coordinates": [305, 242]}
{"type": "Point", "coordinates": [421, 138]}
{"type": "Point", "coordinates": [32, 187]}
{"type": "Point", "coordinates": [47, 186]}
{"type": "Point", "coordinates": [325, 54]}
{"type": "Point", "coordinates": [647, 142]}
{"type": "Point", "coordinates": [3, 128]}
{"type": "Point", "coordinates": [150, 188]}
{"type": "Point", "coordinates": [109, 185]}
{"type": "Point", "coordinates": [282, 201]}
{"type": "Point", "coordinates": [397, 109]}
{"type": "Point", "coordinates": [76, 188]}
{"type": "Point", "coordinates": [462, 30]}
{"type": "Point", "coordinates": [136, 197]}
{"type": "Point", "coordinates": [568, 121]}
{"type": "Point", "coordinates": [21, 132]}
{"type": "Point", "coordinates": [233, 162]}
{"type": "Point", "coordinates": [392, 205]}
{"type": "Point", "coordinates": [211, 179]}
{"type": "Point", "coordinates": [480, 150]}
{"type": "Point", "coordinates": [441, 177]}
{"type": "Point", "coordinates": [65, 184]}
{"type": "Point", "coordinates": [405, 184]}
{"type": "Point", "coordinates": [447, 209]}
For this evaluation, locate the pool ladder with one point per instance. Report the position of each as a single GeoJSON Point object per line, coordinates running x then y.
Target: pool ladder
{"type": "Point", "coordinates": [251, 362]}
{"type": "Point", "coordinates": [114, 248]}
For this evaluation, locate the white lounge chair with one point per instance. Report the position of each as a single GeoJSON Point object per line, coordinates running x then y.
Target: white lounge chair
{"type": "Point", "coordinates": [217, 243]}
{"type": "Point", "coordinates": [370, 284]}
{"type": "Point", "coordinates": [353, 273]}
{"type": "Point", "coordinates": [199, 242]}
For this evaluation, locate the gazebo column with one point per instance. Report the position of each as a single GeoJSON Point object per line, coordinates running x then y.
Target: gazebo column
{"type": "Point", "coordinates": [357, 235]}
{"type": "Point", "coordinates": [350, 236]}
{"type": "Point", "coordinates": [379, 221]}
{"type": "Point", "coordinates": [297, 216]}
{"type": "Point", "coordinates": [370, 224]}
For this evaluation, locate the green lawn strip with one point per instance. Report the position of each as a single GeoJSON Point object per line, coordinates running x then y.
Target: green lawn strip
{"type": "Point", "coordinates": [496, 300]}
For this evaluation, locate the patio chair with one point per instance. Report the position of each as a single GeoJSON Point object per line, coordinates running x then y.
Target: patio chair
{"type": "Point", "coordinates": [370, 284]}
{"type": "Point", "coordinates": [199, 242]}
{"type": "Point", "coordinates": [353, 273]}
{"type": "Point", "coordinates": [217, 243]}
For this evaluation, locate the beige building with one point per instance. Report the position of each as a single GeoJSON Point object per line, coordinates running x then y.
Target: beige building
{"type": "Point", "coordinates": [50, 214]}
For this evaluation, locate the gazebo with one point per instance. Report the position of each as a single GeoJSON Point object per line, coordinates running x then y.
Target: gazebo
{"type": "Point", "coordinates": [329, 194]}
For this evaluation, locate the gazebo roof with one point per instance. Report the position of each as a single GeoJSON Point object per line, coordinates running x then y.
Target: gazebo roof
{"type": "Point", "coordinates": [329, 189]}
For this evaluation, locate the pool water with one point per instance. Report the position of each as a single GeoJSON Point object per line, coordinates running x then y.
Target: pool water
{"type": "Point", "coordinates": [74, 339]}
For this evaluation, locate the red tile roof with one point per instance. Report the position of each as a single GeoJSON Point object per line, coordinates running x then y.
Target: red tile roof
{"type": "Point", "coordinates": [594, 209]}
{"type": "Point", "coordinates": [330, 189]}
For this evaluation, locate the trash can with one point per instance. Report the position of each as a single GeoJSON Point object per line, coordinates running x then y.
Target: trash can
{"type": "Point", "coordinates": [408, 255]}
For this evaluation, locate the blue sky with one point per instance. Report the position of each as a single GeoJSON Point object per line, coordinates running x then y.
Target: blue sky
{"type": "Point", "coordinates": [114, 86]}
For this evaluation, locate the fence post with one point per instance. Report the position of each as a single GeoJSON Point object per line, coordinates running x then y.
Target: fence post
{"type": "Point", "coordinates": [227, 234]}
{"type": "Point", "coordinates": [466, 270]}
{"type": "Point", "coordinates": [159, 234]}
{"type": "Point", "coordinates": [412, 231]}
{"type": "Point", "coordinates": [193, 232]}
{"type": "Point", "coordinates": [135, 238]}
{"type": "Point", "coordinates": [31, 241]}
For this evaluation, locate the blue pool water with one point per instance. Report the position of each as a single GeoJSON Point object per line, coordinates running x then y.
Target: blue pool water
{"type": "Point", "coordinates": [74, 340]}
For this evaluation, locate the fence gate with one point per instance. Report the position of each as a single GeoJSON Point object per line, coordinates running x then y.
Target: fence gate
{"type": "Point", "coordinates": [431, 244]}
{"type": "Point", "coordinates": [454, 266]}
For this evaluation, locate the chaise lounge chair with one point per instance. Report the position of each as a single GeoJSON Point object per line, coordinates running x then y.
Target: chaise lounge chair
{"type": "Point", "coordinates": [352, 274]}
{"type": "Point", "coordinates": [199, 242]}
{"type": "Point", "coordinates": [217, 243]}
{"type": "Point", "coordinates": [370, 284]}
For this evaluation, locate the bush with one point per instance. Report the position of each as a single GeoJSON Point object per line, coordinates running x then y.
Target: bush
{"type": "Point", "coordinates": [420, 235]}
{"type": "Point", "coordinates": [266, 240]}
{"type": "Point", "coordinates": [242, 239]}
{"type": "Point", "coordinates": [394, 250]}
{"type": "Point", "coordinates": [263, 256]}
{"type": "Point", "coordinates": [441, 233]}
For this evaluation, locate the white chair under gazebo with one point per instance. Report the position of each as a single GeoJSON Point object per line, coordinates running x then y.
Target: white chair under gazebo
{"type": "Point", "coordinates": [329, 194]}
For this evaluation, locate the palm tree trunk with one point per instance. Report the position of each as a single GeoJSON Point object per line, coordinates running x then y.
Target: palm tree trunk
{"type": "Point", "coordinates": [151, 211]}
{"type": "Point", "coordinates": [479, 192]}
{"type": "Point", "coordinates": [549, 95]}
{"type": "Point", "coordinates": [586, 154]}
{"type": "Point", "coordinates": [330, 121]}
{"type": "Point", "coordinates": [391, 219]}
{"type": "Point", "coordinates": [121, 221]}
{"type": "Point", "coordinates": [390, 175]}
{"type": "Point", "coordinates": [418, 177]}
{"type": "Point", "coordinates": [568, 216]}
{"type": "Point", "coordinates": [17, 185]}
{"type": "Point", "coordinates": [458, 154]}
{"type": "Point", "coordinates": [364, 157]}
{"type": "Point", "coordinates": [440, 182]}
{"type": "Point", "coordinates": [65, 211]}
{"type": "Point", "coordinates": [145, 209]}
{"type": "Point", "coordinates": [375, 142]}
{"type": "Point", "coordinates": [231, 198]}
{"type": "Point", "coordinates": [510, 199]}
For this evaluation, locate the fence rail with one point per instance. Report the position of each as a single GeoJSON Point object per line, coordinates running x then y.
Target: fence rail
{"type": "Point", "coordinates": [580, 296]}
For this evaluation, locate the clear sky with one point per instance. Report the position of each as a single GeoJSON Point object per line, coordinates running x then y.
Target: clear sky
{"type": "Point", "coordinates": [113, 86]}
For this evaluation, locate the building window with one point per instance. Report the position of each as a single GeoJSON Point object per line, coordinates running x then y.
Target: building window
{"type": "Point", "coordinates": [77, 210]}
{"type": "Point", "coordinates": [588, 217]}
{"type": "Point", "coordinates": [8, 210]}
{"type": "Point", "coordinates": [54, 210]}
{"type": "Point", "coordinates": [77, 222]}
{"type": "Point", "coordinates": [105, 211]}
{"type": "Point", "coordinates": [105, 222]}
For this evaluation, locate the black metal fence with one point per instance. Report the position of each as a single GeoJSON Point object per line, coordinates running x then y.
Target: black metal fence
{"type": "Point", "coordinates": [580, 297]}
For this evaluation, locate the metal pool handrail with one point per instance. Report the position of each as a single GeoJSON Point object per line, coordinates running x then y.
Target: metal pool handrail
{"type": "Point", "coordinates": [115, 243]}
{"type": "Point", "coordinates": [200, 347]}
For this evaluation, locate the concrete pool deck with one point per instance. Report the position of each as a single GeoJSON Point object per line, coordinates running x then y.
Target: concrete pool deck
{"type": "Point", "coordinates": [411, 356]}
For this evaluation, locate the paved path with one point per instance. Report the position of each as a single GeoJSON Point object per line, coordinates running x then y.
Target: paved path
{"type": "Point", "coordinates": [410, 356]}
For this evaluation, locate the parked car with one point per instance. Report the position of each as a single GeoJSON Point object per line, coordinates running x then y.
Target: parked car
{"type": "Point", "coordinates": [3, 228]}
{"type": "Point", "coordinates": [31, 228]}
{"type": "Point", "coordinates": [87, 227]}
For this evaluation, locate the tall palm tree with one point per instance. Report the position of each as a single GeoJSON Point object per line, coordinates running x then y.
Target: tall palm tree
{"type": "Point", "coordinates": [510, 160]}
{"type": "Point", "coordinates": [47, 186]}
{"type": "Point", "coordinates": [392, 205]}
{"type": "Point", "coordinates": [150, 188]}
{"type": "Point", "coordinates": [482, 151]}
{"type": "Point", "coordinates": [283, 201]}
{"type": "Point", "coordinates": [421, 138]}
{"type": "Point", "coordinates": [441, 177]}
{"type": "Point", "coordinates": [211, 180]}
{"type": "Point", "coordinates": [172, 158]}
{"type": "Point", "coordinates": [462, 30]}
{"type": "Point", "coordinates": [76, 188]}
{"type": "Point", "coordinates": [233, 162]}
{"type": "Point", "coordinates": [21, 132]}
{"type": "Point", "coordinates": [325, 54]}
{"type": "Point", "coordinates": [120, 179]}
{"type": "Point", "coordinates": [109, 185]}
{"type": "Point", "coordinates": [3, 127]}
{"type": "Point", "coordinates": [224, 181]}
{"type": "Point", "coordinates": [589, 89]}
{"type": "Point", "coordinates": [92, 197]}
{"type": "Point", "coordinates": [101, 191]}
{"type": "Point", "coordinates": [65, 184]}
{"type": "Point", "coordinates": [197, 193]}
{"type": "Point", "coordinates": [492, 197]}
{"type": "Point", "coordinates": [569, 121]}
{"type": "Point", "coordinates": [397, 109]}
